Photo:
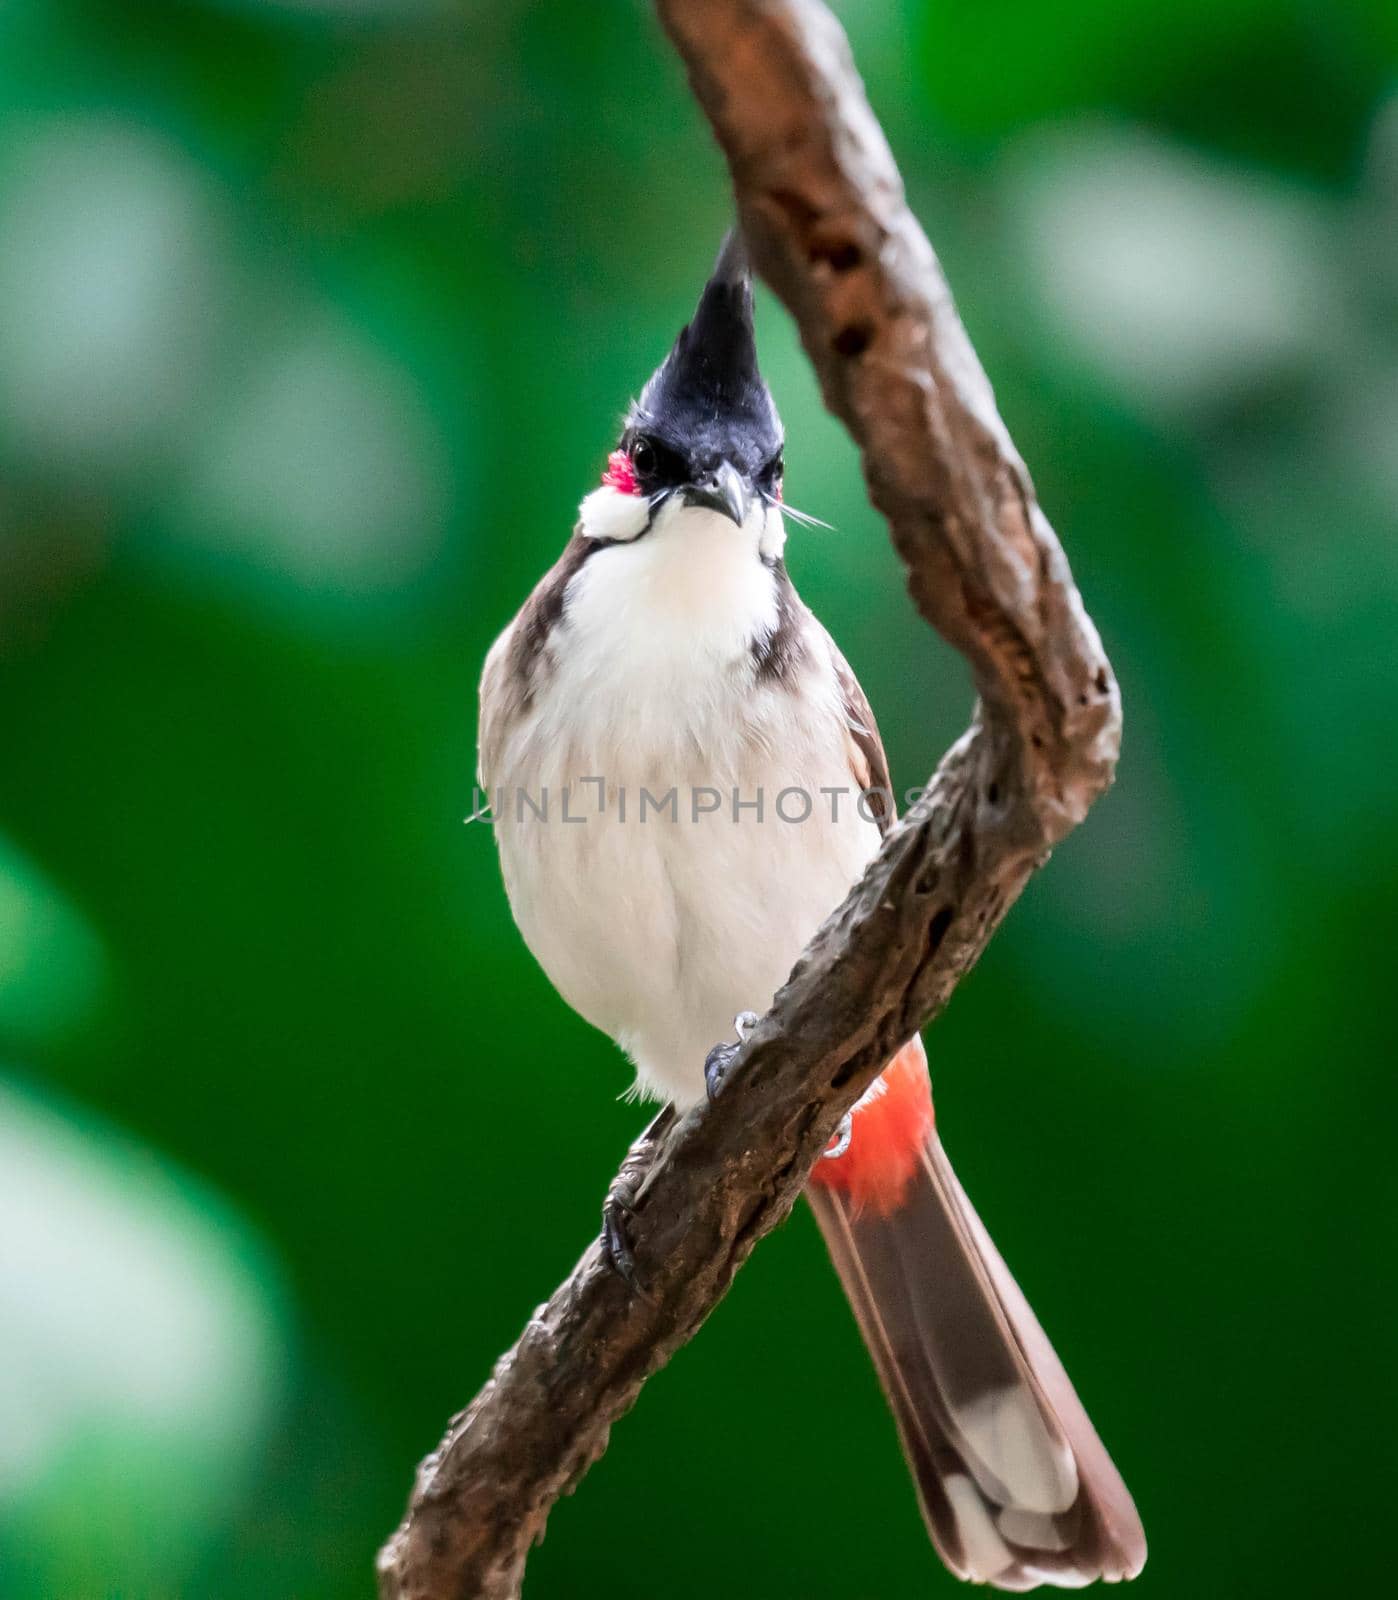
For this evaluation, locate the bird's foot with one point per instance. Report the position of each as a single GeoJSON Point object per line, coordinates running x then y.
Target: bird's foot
{"type": "Point", "coordinates": [619, 1208]}
{"type": "Point", "coordinates": [719, 1061]}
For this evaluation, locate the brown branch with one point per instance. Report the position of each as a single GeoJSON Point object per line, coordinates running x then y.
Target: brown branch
{"type": "Point", "coordinates": [829, 228]}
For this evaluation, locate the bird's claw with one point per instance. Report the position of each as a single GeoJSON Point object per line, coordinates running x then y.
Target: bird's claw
{"type": "Point", "coordinates": [840, 1141]}
{"type": "Point", "coordinates": [617, 1208]}
{"type": "Point", "coordinates": [620, 1205]}
{"type": "Point", "coordinates": [717, 1064]}
{"type": "Point", "coordinates": [719, 1061]}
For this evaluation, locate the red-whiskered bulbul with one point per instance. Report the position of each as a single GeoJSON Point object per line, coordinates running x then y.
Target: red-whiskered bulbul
{"type": "Point", "coordinates": [686, 780]}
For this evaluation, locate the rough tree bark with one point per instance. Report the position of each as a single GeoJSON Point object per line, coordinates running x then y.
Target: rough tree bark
{"type": "Point", "coordinates": [828, 225]}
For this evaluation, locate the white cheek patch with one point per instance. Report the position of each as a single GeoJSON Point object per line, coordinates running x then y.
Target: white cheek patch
{"type": "Point", "coordinates": [607, 513]}
{"type": "Point", "coordinates": [772, 541]}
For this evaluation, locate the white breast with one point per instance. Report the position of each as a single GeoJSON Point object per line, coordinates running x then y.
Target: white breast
{"type": "Point", "coordinates": [661, 923]}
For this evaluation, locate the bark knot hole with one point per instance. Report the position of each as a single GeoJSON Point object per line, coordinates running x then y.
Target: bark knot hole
{"type": "Point", "coordinates": [840, 255]}
{"type": "Point", "coordinates": [853, 340]}
{"type": "Point", "coordinates": [937, 929]}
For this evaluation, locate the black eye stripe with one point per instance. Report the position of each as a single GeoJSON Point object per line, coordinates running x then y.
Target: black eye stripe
{"type": "Point", "coordinates": [656, 463]}
{"type": "Point", "coordinates": [660, 465]}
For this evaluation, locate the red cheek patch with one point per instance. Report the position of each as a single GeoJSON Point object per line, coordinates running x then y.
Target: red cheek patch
{"type": "Point", "coordinates": [620, 474]}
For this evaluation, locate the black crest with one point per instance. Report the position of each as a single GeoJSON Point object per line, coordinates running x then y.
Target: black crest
{"type": "Point", "coordinates": [707, 401]}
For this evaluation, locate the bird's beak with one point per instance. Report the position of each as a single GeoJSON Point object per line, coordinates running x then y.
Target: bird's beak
{"type": "Point", "coordinates": [724, 491]}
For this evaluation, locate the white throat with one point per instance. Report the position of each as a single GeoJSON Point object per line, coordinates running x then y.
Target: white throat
{"type": "Point", "coordinates": [689, 593]}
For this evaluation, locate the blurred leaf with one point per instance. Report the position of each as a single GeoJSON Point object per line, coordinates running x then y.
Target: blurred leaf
{"type": "Point", "coordinates": [139, 1359]}
{"type": "Point", "coordinates": [52, 967]}
{"type": "Point", "coordinates": [1181, 280]}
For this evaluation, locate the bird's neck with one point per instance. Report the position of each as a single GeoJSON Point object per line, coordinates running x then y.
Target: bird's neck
{"type": "Point", "coordinates": [694, 591]}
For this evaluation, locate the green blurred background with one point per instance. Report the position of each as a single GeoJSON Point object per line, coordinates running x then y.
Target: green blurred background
{"type": "Point", "coordinates": [316, 318]}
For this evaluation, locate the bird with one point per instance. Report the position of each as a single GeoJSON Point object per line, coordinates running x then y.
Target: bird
{"type": "Point", "coordinates": [685, 780]}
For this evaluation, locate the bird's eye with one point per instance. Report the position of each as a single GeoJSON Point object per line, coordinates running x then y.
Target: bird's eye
{"type": "Point", "coordinates": [643, 456]}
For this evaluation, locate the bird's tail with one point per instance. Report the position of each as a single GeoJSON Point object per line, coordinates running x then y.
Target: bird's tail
{"type": "Point", "coordinates": [1016, 1487]}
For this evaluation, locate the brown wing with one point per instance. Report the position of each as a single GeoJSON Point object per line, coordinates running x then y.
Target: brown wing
{"type": "Point", "coordinates": [519, 655]}
{"type": "Point", "coordinates": [867, 760]}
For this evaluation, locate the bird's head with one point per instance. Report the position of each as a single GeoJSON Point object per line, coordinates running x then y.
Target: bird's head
{"type": "Point", "coordinates": [704, 439]}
